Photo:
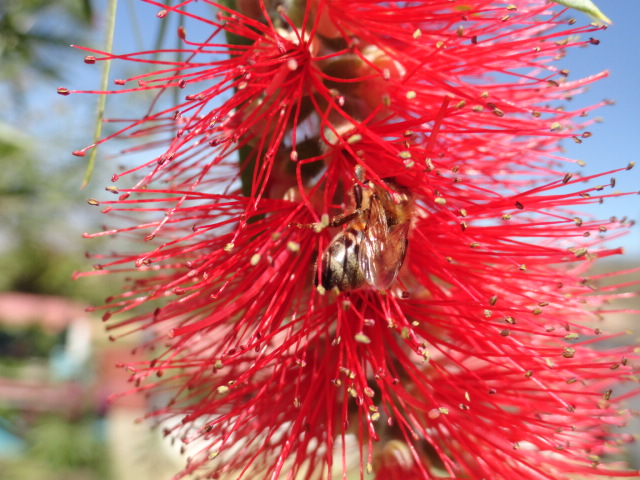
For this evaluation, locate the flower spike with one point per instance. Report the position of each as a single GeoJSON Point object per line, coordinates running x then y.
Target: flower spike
{"type": "Point", "coordinates": [362, 247]}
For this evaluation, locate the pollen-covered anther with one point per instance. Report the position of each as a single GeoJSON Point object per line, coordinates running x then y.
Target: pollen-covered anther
{"type": "Point", "coordinates": [568, 352]}
{"type": "Point", "coordinates": [426, 356]}
{"type": "Point", "coordinates": [255, 258]}
{"type": "Point", "coordinates": [404, 154]}
{"type": "Point", "coordinates": [335, 135]}
{"type": "Point", "coordinates": [362, 338]}
{"type": "Point", "coordinates": [429, 165]}
{"type": "Point", "coordinates": [580, 252]}
{"type": "Point", "coordinates": [324, 221]}
{"type": "Point", "coordinates": [293, 247]}
{"type": "Point", "coordinates": [434, 413]}
{"type": "Point", "coordinates": [355, 138]}
{"type": "Point", "coordinates": [348, 373]}
{"type": "Point", "coordinates": [369, 322]}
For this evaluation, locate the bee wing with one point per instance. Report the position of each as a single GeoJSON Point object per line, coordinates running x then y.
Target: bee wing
{"type": "Point", "coordinates": [383, 249]}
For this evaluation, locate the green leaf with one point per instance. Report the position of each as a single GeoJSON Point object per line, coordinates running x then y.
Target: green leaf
{"type": "Point", "coordinates": [586, 6]}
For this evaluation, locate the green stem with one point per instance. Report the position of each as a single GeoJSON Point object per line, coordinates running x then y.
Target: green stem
{"type": "Point", "coordinates": [108, 45]}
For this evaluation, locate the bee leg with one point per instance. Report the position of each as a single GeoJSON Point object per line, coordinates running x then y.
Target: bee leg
{"type": "Point", "coordinates": [335, 222]}
{"type": "Point", "coordinates": [302, 225]}
{"type": "Point", "coordinates": [342, 219]}
{"type": "Point", "coordinates": [357, 196]}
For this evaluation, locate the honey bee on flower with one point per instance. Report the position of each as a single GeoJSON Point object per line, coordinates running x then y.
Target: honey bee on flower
{"type": "Point", "coordinates": [372, 247]}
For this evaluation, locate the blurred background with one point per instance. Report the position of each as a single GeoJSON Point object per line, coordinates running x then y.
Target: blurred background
{"type": "Point", "coordinates": [56, 364]}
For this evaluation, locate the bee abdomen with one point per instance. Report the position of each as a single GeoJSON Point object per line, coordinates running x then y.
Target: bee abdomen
{"type": "Point", "coordinates": [340, 265]}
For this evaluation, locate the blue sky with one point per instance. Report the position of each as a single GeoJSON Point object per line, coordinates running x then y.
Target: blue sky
{"type": "Point", "coordinates": [615, 141]}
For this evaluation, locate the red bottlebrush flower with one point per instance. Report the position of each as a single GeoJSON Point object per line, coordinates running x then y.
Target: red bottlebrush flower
{"type": "Point", "coordinates": [408, 155]}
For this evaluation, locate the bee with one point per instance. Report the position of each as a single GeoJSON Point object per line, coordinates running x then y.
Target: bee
{"type": "Point", "coordinates": [372, 247]}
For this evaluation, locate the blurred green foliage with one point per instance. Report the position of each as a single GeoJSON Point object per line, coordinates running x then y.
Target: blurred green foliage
{"type": "Point", "coordinates": [40, 242]}
{"type": "Point", "coordinates": [59, 449]}
{"type": "Point", "coordinates": [27, 34]}
{"type": "Point", "coordinates": [17, 344]}
{"type": "Point", "coordinates": [40, 224]}
{"type": "Point", "coordinates": [42, 207]}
